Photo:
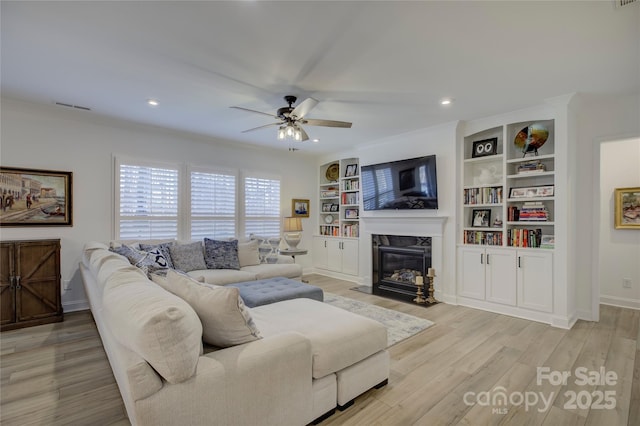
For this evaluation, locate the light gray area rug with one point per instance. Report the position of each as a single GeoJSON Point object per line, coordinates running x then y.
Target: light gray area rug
{"type": "Point", "coordinates": [399, 325]}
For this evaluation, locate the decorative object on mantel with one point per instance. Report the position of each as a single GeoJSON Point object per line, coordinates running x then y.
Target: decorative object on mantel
{"type": "Point", "coordinates": [419, 284]}
{"type": "Point", "coordinates": [35, 197]}
{"type": "Point", "coordinates": [531, 138]}
{"type": "Point", "coordinates": [431, 274]}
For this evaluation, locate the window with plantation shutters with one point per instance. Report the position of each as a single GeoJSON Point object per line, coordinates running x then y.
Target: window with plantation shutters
{"type": "Point", "coordinates": [147, 201]}
{"type": "Point", "coordinates": [213, 205]}
{"type": "Point", "coordinates": [262, 206]}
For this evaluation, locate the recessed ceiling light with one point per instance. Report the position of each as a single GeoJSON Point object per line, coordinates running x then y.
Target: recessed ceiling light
{"type": "Point", "coordinates": [152, 102]}
{"type": "Point", "coordinates": [446, 101]}
{"type": "Point", "coordinates": [315, 140]}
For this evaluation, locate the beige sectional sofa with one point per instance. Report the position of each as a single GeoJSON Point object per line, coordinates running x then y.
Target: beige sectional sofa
{"type": "Point", "coordinates": [304, 357]}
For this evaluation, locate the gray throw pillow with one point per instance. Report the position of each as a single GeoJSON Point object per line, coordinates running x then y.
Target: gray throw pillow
{"type": "Point", "coordinates": [221, 254]}
{"type": "Point", "coordinates": [187, 257]}
{"type": "Point", "coordinates": [164, 249]}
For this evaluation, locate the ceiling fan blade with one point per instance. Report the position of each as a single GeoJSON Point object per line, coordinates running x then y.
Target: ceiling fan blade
{"type": "Point", "coordinates": [254, 111]}
{"type": "Point", "coordinates": [261, 127]}
{"type": "Point", "coordinates": [326, 123]}
{"type": "Point", "coordinates": [305, 136]}
{"type": "Point", "coordinates": [304, 107]}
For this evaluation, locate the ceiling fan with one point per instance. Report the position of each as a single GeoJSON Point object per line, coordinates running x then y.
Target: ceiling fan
{"type": "Point", "coordinates": [292, 118]}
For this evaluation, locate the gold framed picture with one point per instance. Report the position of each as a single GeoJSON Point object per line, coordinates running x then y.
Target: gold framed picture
{"type": "Point", "coordinates": [627, 208]}
{"type": "Point", "coordinates": [299, 208]}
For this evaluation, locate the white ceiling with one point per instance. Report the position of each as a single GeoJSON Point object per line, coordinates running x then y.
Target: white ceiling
{"type": "Point", "coordinates": [382, 65]}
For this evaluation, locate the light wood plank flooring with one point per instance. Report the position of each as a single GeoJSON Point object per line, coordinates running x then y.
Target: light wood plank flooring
{"type": "Point", "coordinates": [58, 374]}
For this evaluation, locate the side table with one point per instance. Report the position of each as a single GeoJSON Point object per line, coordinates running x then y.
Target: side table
{"type": "Point", "coordinates": [293, 253]}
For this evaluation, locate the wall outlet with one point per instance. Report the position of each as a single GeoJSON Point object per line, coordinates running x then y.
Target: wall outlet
{"type": "Point", "coordinates": [626, 282]}
{"type": "Point", "coordinates": [66, 284]}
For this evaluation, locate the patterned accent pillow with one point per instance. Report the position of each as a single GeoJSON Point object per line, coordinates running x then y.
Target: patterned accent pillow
{"type": "Point", "coordinates": [267, 248]}
{"type": "Point", "coordinates": [221, 254]}
{"type": "Point", "coordinates": [188, 257]}
{"type": "Point", "coordinates": [149, 261]}
{"type": "Point", "coordinates": [164, 249]}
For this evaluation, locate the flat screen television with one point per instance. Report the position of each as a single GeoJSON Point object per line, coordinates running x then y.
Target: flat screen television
{"type": "Point", "coordinates": [400, 185]}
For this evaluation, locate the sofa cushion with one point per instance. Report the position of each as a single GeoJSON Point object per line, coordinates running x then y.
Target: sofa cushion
{"type": "Point", "coordinates": [271, 270]}
{"type": "Point", "coordinates": [226, 321]}
{"type": "Point", "coordinates": [221, 254]}
{"type": "Point", "coordinates": [160, 327]}
{"type": "Point", "coordinates": [338, 338]}
{"type": "Point", "coordinates": [188, 257]}
{"type": "Point", "coordinates": [248, 254]}
{"type": "Point", "coordinates": [222, 276]}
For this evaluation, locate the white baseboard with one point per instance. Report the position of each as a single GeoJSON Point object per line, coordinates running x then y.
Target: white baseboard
{"type": "Point", "coordinates": [620, 302]}
{"type": "Point", "coordinates": [75, 305]}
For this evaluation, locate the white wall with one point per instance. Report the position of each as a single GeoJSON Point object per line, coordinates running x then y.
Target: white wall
{"type": "Point", "coordinates": [619, 248]}
{"type": "Point", "coordinates": [600, 119]}
{"type": "Point", "coordinates": [54, 138]}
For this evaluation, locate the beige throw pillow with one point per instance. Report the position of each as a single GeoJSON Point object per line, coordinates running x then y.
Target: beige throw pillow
{"type": "Point", "coordinates": [248, 253]}
{"type": "Point", "coordinates": [226, 321]}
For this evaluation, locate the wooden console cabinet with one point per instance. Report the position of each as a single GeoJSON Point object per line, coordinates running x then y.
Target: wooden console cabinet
{"type": "Point", "coordinates": [29, 283]}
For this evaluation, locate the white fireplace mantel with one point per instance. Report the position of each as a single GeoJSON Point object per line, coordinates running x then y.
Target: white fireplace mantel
{"type": "Point", "coordinates": [430, 226]}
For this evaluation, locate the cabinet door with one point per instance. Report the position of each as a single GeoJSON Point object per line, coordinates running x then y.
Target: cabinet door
{"type": "Point", "coordinates": [535, 280]}
{"type": "Point", "coordinates": [7, 292]}
{"type": "Point", "coordinates": [38, 286]}
{"type": "Point", "coordinates": [334, 254]}
{"type": "Point", "coordinates": [320, 252]}
{"type": "Point", "coordinates": [471, 268]}
{"type": "Point", "coordinates": [350, 257]}
{"type": "Point", "coordinates": [500, 276]}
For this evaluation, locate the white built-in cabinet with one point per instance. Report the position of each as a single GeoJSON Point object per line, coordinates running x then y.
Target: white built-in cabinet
{"type": "Point", "coordinates": [335, 247]}
{"type": "Point", "coordinates": [511, 263]}
{"type": "Point", "coordinates": [519, 278]}
{"type": "Point", "coordinates": [336, 254]}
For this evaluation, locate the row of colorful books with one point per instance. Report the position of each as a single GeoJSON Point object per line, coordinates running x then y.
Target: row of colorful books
{"type": "Point", "coordinates": [351, 230]}
{"type": "Point", "coordinates": [350, 197]}
{"type": "Point", "coordinates": [483, 238]}
{"type": "Point", "coordinates": [330, 230]}
{"type": "Point", "coordinates": [489, 195]}
{"type": "Point", "coordinates": [351, 185]}
{"type": "Point", "coordinates": [524, 237]}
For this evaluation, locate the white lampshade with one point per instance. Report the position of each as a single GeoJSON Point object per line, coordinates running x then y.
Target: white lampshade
{"type": "Point", "coordinates": [292, 235]}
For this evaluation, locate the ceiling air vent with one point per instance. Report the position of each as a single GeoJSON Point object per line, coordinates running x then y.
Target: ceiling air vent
{"type": "Point", "coordinates": [84, 108]}
{"type": "Point", "coordinates": [621, 3]}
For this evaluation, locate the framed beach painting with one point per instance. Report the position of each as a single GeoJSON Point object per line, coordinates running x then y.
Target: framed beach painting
{"type": "Point", "coordinates": [30, 197]}
{"type": "Point", "coordinates": [627, 208]}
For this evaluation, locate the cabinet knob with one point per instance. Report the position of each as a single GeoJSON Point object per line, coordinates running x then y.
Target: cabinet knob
{"type": "Point", "coordinates": [482, 258]}
{"type": "Point", "coordinates": [18, 286]}
{"type": "Point", "coordinates": [519, 265]}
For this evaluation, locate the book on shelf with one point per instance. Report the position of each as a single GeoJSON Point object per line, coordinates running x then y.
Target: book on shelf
{"type": "Point", "coordinates": [351, 185]}
{"type": "Point", "coordinates": [350, 197]}
{"type": "Point", "coordinates": [486, 195]}
{"type": "Point", "coordinates": [487, 238]}
{"type": "Point", "coordinates": [524, 237]}
{"type": "Point", "coordinates": [547, 241]}
{"type": "Point", "coordinates": [531, 167]}
{"type": "Point", "coordinates": [533, 211]}
{"type": "Point", "coordinates": [351, 230]}
{"type": "Point", "coordinates": [329, 192]}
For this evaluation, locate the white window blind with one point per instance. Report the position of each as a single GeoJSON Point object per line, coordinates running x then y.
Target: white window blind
{"type": "Point", "coordinates": [147, 202]}
{"type": "Point", "coordinates": [262, 206]}
{"type": "Point", "coordinates": [213, 205]}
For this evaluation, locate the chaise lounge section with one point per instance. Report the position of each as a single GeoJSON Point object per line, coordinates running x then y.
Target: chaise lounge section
{"type": "Point", "coordinates": [304, 358]}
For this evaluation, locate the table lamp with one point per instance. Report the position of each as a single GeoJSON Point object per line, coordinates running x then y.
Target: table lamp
{"type": "Point", "coordinates": [292, 234]}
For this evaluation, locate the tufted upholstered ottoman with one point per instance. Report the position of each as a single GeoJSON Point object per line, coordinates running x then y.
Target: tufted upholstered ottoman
{"type": "Point", "coordinates": [271, 290]}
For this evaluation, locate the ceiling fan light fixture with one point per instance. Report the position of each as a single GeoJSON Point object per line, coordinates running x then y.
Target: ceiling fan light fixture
{"type": "Point", "coordinates": [282, 134]}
